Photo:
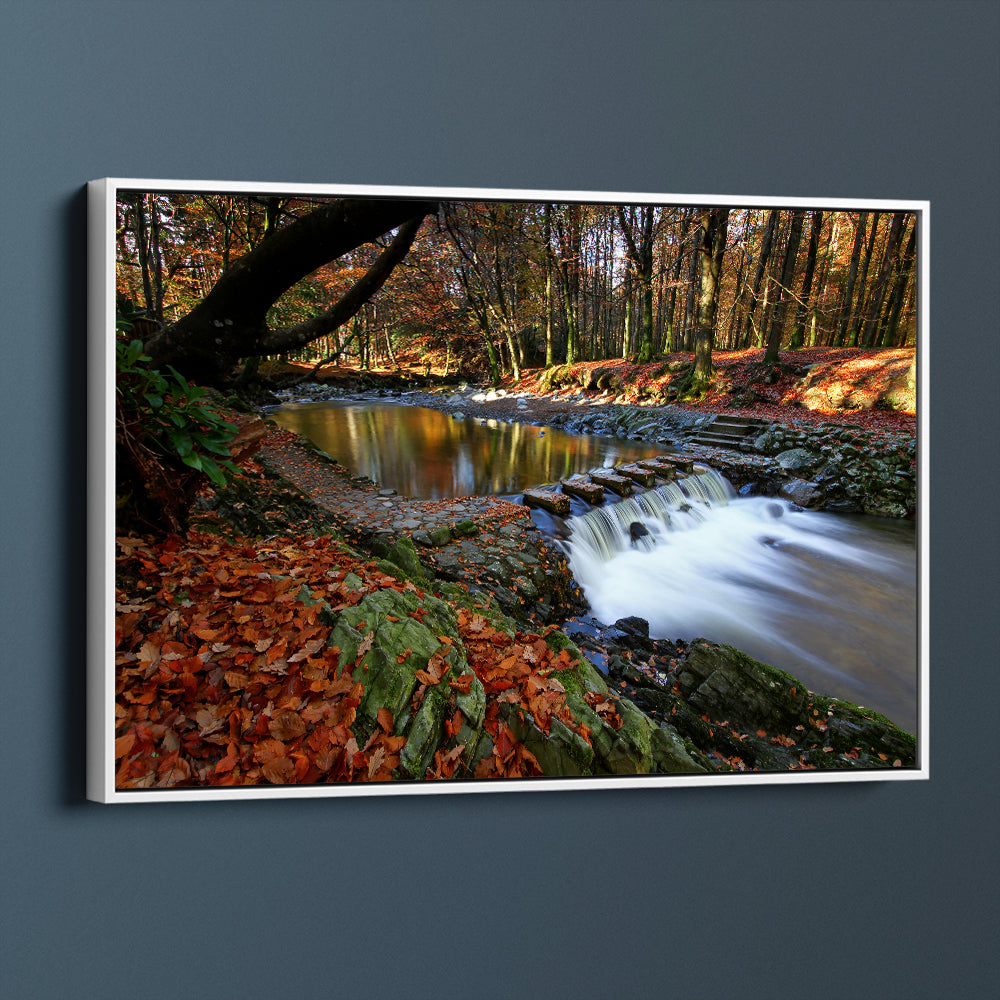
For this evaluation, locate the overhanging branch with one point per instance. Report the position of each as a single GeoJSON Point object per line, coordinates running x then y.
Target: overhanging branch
{"type": "Point", "coordinates": [290, 338]}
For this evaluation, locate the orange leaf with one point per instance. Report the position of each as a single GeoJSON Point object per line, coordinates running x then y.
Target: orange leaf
{"type": "Point", "coordinates": [364, 645]}
{"type": "Point", "coordinates": [279, 770]}
{"type": "Point", "coordinates": [384, 718]}
{"type": "Point", "coordinates": [228, 762]}
{"type": "Point", "coordinates": [286, 725]}
{"type": "Point", "coordinates": [123, 744]}
{"type": "Point", "coordinates": [462, 684]}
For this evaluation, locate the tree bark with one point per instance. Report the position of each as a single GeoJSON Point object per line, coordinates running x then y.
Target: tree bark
{"type": "Point", "coordinates": [715, 225]}
{"type": "Point", "coordinates": [777, 328]}
{"type": "Point", "coordinates": [231, 321]}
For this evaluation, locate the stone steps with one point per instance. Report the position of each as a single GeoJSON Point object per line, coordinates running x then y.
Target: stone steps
{"type": "Point", "coordinates": [732, 432]}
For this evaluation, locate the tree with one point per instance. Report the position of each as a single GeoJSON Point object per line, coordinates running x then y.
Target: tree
{"type": "Point", "coordinates": [763, 256]}
{"type": "Point", "coordinates": [231, 321]}
{"type": "Point", "coordinates": [888, 335]}
{"type": "Point", "coordinates": [777, 327]}
{"type": "Point", "coordinates": [862, 284]}
{"type": "Point", "coordinates": [568, 230]}
{"type": "Point", "coordinates": [802, 313]}
{"type": "Point", "coordinates": [852, 275]}
{"type": "Point", "coordinates": [638, 229]}
{"type": "Point", "coordinates": [889, 259]}
{"type": "Point", "coordinates": [714, 229]}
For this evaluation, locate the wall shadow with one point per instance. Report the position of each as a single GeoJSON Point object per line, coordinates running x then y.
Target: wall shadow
{"type": "Point", "coordinates": [71, 526]}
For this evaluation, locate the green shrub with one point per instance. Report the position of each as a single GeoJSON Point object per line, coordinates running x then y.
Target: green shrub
{"type": "Point", "coordinates": [167, 438]}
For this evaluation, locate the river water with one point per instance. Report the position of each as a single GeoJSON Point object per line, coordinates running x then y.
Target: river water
{"type": "Point", "coordinates": [429, 455]}
{"type": "Point", "coordinates": [829, 598]}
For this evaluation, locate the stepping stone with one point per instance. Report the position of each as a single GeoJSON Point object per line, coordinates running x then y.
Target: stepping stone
{"type": "Point", "coordinates": [554, 503]}
{"type": "Point", "coordinates": [590, 492]}
{"type": "Point", "coordinates": [682, 464]}
{"type": "Point", "coordinates": [641, 476]}
{"type": "Point", "coordinates": [662, 469]}
{"type": "Point", "coordinates": [612, 481]}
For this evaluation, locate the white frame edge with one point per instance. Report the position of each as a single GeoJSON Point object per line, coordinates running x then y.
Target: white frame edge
{"type": "Point", "coordinates": [101, 199]}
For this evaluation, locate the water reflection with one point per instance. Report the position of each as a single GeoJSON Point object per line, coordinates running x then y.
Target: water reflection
{"type": "Point", "coordinates": [427, 454]}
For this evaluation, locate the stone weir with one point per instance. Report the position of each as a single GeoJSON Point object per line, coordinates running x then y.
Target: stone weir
{"type": "Point", "coordinates": [485, 543]}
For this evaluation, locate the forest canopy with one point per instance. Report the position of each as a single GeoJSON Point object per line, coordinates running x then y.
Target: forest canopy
{"type": "Point", "coordinates": [216, 282]}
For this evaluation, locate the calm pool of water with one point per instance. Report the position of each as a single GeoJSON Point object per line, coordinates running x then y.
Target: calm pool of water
{"type": "Point", "coordinates": [429, 455]}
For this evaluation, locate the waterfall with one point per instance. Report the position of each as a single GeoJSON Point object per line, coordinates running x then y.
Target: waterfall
{"type": "Point", "coordinates": [603, 532]}
{"type": "Point", "coordinates": [831, 599]}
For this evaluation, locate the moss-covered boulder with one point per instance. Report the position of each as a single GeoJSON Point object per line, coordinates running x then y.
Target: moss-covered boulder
{"type": "Point", "coordinates": [390, 635]}
{"type": "Point", "coordinates": [725, 683]}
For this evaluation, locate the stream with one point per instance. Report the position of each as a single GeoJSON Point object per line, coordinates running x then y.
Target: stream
{"type": "Point", "coordinates": [829, 598]}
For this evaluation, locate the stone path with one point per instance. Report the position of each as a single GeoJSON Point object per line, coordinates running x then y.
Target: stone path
{"type": "Point", "coordinates": [483, 542]}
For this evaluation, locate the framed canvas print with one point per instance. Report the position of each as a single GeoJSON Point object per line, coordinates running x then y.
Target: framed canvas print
{"type": "Point", "coordinates": [417, 490]}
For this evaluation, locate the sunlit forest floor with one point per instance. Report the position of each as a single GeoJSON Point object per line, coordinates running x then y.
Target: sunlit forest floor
{"type": "Point", "coordinates": [863, 375]}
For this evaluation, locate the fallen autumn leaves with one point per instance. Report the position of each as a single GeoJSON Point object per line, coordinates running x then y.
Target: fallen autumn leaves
{"type": "Point", "coordinates": [225, 675]}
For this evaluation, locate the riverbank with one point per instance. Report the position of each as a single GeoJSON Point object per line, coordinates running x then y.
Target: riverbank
{"type": "Point", "coordinates": [313, 626]}
{"type": "Point", "coordinates": [857, 460]}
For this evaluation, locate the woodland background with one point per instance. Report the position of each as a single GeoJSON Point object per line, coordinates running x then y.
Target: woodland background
{"type": "Point", "coordinates": [848, 890]}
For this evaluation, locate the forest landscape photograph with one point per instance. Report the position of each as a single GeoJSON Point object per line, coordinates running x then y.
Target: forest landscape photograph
{"type": "Point", "coordinates": [412, 489]}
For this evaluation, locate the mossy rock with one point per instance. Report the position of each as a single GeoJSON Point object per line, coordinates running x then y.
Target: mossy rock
{"type": "Point", "coordinates": [387, 682]}
{"type": "Point", "coordinates": [425, 732]}
{"type": "Point", "coordinates": [560, 753]}
{"type": "Point", "coordinates": [670, 755]}
{"type": "Point", "coordinates": [403, 553]}
{"type": "Point", "coordinates": [725, 683]}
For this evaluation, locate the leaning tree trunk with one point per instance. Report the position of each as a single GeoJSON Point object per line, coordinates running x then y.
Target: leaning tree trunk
{"type": "Point", "coordinates": [231, 321]}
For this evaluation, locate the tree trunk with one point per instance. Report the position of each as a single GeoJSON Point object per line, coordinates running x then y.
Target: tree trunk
{"type": "Point", "coordinates": [852, 275]}
{"type": "Point", "coordinates": [889, 257]}
{"type": "Point", "coordinates": [862, 290]}
{"type": "Point", "coordinates": [549, 347]}
{"type": "Point", "coordinates": [890, 333]}
{"type": "Point", "coordinates": [802, 312]}
{"type": "Point", "coordinates": [763, 256]}
{"type": "Point", "coordinates": [690, 304]}
{"type": "Point", "coordinates": [231, 321]}
{"type": "Point", "coordinates": [777, 328]}
{"type": "Point", "coordinates": [714, 226]}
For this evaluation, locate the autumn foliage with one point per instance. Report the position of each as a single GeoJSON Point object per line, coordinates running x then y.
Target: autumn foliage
{"type": "Point", "coordinates": [225, 675]}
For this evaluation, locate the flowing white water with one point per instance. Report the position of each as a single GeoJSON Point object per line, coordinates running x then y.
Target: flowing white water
{"type": "Point", "coordinates": [831, 599]}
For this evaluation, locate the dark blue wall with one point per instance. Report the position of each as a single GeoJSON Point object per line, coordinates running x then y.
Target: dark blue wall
{"type": "Point", "coordinates": [876, 890]}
